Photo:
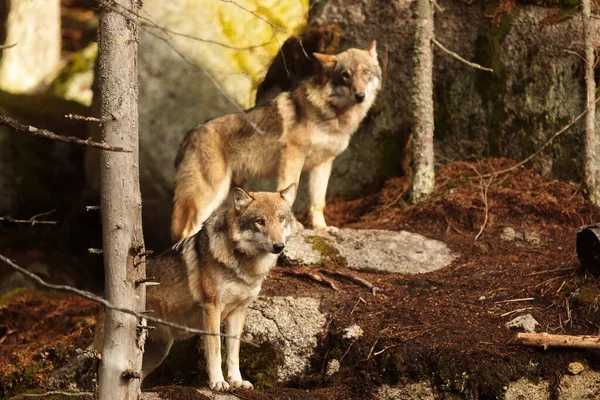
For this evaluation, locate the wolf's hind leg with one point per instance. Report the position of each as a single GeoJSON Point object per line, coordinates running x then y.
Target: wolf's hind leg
{"type": "Point", "coordinates": [155, 351]}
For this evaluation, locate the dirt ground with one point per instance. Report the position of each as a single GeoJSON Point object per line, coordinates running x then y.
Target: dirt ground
{"type": "Point", "coordinates": [446, 327]}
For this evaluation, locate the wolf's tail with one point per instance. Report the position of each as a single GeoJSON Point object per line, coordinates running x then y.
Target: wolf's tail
{"type": "Point", "coordinates": [185, 215]}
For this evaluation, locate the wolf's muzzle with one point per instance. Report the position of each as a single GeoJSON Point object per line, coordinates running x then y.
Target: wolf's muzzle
{"type": "Point", "coordinates": [360, 97]}
{"type": "Point", "coordinates": [278, 247]}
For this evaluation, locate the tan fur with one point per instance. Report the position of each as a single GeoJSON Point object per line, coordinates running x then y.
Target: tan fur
{"type": "Point", "coordinates": [212, 277]}
{"type": "Point", "coordinates": [304, 130]}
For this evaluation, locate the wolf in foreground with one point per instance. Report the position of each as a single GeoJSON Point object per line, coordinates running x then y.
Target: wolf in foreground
{"type": "Point", "coordinates": [213, 276]}
{"type": "Point", "coordinates": [303, 130]}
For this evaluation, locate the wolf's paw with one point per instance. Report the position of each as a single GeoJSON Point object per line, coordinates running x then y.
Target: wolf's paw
{"type": "Point", "coordinates": [328, 229]}
{"type": "Point", "coordinates": [241, 385]}
{"type": "Point", "coordinates": [219, 386]}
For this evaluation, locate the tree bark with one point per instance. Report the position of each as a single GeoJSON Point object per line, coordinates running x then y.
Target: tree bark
{"type": "Point", "coordinates": [423, 180]}
{"type": "Point", "coordinates": [121, 202]}
{"type": "Point", "coordinates": [591, 158]}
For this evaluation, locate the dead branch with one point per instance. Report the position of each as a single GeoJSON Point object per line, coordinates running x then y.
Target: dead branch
{"type": "Point", "coordinates": [539, 150]}
{"type": "Point", "coordinates": [459, 58]}
{"type": "Point", "coordinates": [7, 46]}
{"type": "Point", "coordinates": [313, 277]}
{"type": "Point", "coordinates": [33, 220]}
{"type": "Point", "coordinates": [547, 340]}
{"type": "Point", "coordinates": [352, 278]}
{"type": "Point", "coordinates": [11, 123]}
{"type": "Point", "coordinates": [484, 196]}
{"type": "Point", "coordinates": [514, 300]}
{"type": "Point", "coordinates": [53, 393]}
{"type": "Point", "coordinates": [83, 118]}
{"type": "Point", "coordinates": [93, 297]}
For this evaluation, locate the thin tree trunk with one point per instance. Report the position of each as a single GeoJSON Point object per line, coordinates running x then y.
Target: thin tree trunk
{"type": "Point", "coordinates": [591, 158]}
{"type": "Point", "coordinates": [120, 202]}
{"type": "Point", "coordinates": [423, 180]}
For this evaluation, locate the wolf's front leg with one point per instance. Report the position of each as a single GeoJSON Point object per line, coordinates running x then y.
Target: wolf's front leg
{"type": "Point", "coordinates": [318, 178]}
{"type": "Point", "coordinates": [235, 326]}
{"type": "Point", "coordinates": [212, 348]}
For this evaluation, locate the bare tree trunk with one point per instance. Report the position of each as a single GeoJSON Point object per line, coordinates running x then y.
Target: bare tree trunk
{"type": "Point", "coordinates": [423, 180]}
{"type": "Point", "coordinates": [591, 166]}
{"type": "Point", "coordinates": [121, 202]}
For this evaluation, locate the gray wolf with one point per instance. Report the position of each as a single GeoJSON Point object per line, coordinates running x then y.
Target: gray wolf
{"type": "Point", "coordinates": [212, 277]}
{"type": "Point", "coordinates": [302, 130]}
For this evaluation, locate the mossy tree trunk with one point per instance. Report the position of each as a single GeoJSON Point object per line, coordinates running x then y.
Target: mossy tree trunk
{"type": "Point", "coordinates": [592, 159]}
{"type": "Point", "coordinates": [120, 201]}
{"type": "Point", "coordinates": [423, 181]}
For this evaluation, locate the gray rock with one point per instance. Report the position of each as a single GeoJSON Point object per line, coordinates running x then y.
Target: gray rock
{"type": "Point", "coordinates": [524, 389]}
{"type": "Point", "coordinates": [353, 332]}
{"type": "Point", "coordinates": [401, 252]}
{"type": "Point", "coordinates": [586, 385]}
{"type": "Point", "coordinates": [78, 374]}
{"type": "Point", "coordinates": [35, 27]}
{"type": "Point", "coordinates": [291, 324]}
{"type": "Point", "coordinates": [508, 234]}
{"type": "Point", "coordinates": [411, 391]}
{"type": "Point", "coordinates": [332, 367]}
{"type": "Point", "coordinates": [525, 322]}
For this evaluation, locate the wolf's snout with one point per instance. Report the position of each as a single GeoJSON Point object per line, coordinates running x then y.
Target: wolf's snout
{"type": "Point", "coordinates": [278, 247]}
{"type": "Point", "coordinates": [360, 97]}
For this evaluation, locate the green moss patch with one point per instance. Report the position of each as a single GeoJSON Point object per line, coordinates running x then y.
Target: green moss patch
{"type": "Point", "coordinates": [330, 256]}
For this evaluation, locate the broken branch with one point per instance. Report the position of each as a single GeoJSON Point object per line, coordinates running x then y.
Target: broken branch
{"type": "Point", "coordinates": [33, 220]}
{"type": "Point", "coordinates": [43, 133]}
{"type": "Point", "coordinates": [315, 278]}
{"type": "Point", "coordinates": [547, 340]}
{"type": "Point", "coordinates": [352, 278]}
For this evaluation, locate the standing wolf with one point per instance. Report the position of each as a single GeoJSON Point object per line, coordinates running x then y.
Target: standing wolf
{"type": "Point", "coordinates": [303, 130]}
{"type": "Point", "coordinates": [213, 276]}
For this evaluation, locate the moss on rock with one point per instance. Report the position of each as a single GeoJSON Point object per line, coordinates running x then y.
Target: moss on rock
{"type": "Point", "coordinates": [330, 255]}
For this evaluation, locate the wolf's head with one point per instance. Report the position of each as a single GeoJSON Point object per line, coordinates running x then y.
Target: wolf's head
{"type": "Point", "coordinates": [354, 74]}
{"type": "Point", "coordinates": [263, 220]}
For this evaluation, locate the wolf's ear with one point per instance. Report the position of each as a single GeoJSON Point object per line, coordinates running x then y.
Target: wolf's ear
{"type": "Point", "coordinates": [326, 60]}
{"type": "Point", "coordinates": [289, 193]}
{"type": "Point", "coordinates": [373, 49]}
{"type": "Point", "coordinates": [241, 199]}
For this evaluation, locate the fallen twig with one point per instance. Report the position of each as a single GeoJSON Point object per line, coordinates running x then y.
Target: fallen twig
{"type": "Point", "coordinates": [16, 125]}
{"type": "Point", "coordinates": [514, 300]}
{"type": "Point", "coordinates": [360, 299]}
{"type": "Point", "coordinates": [547, 340]}
{"type": "Point", "coordinates": [54, 393]}
{"type": "Point", "coordinates": [352, 278]}
{"type": "Point", "coordinates": [107, 304]}
{"type": "Point", "coordinates": [484, 196]}
{"type": "Point", "coordinates": [314, 277]}
{"type": "Point", "coordinates": [516, 311]}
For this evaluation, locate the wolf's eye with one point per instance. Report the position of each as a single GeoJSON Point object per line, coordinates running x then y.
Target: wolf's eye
{"type": "Point", "coordinates": [345, 75]}
{"type": "Point", "coordinates": [281, 218]}
{"type": "Point", "coordinates": [366, 72]}
{"type": "Point", "coordinates": [260, 222]}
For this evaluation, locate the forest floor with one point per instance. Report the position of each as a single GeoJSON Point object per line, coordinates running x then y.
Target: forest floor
{"type": "Point", "coordinates": [446, 327]}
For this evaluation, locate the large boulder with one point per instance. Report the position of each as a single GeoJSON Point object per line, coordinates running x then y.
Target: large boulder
{"type": "Point", "coordinates": [33, 27]}
{"type": "Point", "coordinates": [176, 94]}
